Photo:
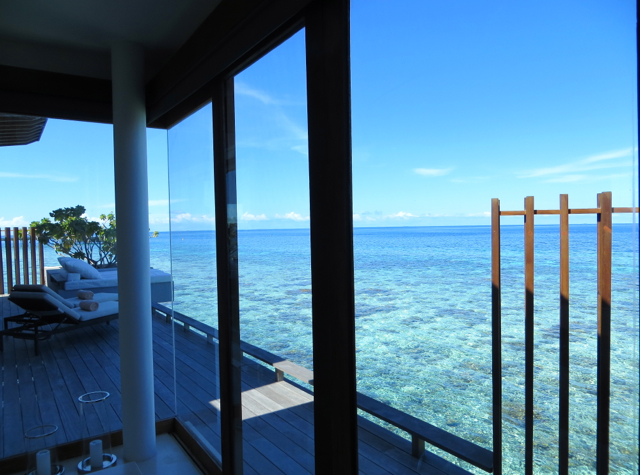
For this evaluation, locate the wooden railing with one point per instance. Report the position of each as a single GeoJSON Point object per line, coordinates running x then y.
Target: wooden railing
{"type": "Point", "coordinates": [604, 213]}
{"type": "Point", "coordinates": [18, 262]}
{"type": "Point", "coordinates": [420, 431]}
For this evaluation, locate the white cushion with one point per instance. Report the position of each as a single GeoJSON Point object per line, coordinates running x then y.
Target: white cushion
{"type": "Point", "coordinates": [106, 308]}
{"type": "Point", "coordinates": [102, 297]}
{"type": "Point", "coordinates": [80, 267]}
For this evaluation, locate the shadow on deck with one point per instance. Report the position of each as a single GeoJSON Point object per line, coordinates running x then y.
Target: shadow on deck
{"type": "Point", "coordinates": [278, 416]}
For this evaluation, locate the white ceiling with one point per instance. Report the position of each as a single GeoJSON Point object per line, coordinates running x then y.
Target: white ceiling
{"type": "Point", "coordinates": [75, 36]}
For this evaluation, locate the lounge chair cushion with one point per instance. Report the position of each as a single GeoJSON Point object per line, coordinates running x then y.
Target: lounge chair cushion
{"type": "Point", "coordinates": [71, 303]}
{"type": "Point", "coordinates": [79, 267]}
{"type": "Point", "coordinates": [37, 288]}
{"type": "Point", "coordinates": [43, 302]}
{"type": "Point", "coordinates": [109, 278]}
{"type": "Point", "coordinates": [100, 298]}
{"type": "Point", "coordinates": [106, 308]}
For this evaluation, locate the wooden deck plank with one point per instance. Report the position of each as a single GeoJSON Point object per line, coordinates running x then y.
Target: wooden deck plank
{"type": "Point", "coordinates": [75, 386]}
{"type": "Point", "coordinates": [262, 424]}
{"type": "Point", "coordinates": [12, 422]}
{"type": "Point", "coordinates": [190, 365]}
{"type": "Point", "coordinates": [107, 336]}
{"type": "Point", "coordinates": [276, 453]}
{"type": "Point", "coordinates": [89, 368]}
{"type": "Point", "coordinates": [278, 416]}
{"type": "Point", "coordinates": [261, 432]}
{"type": "Point", "coordinates": [258, 462]}
{"type": "Point", "coordinates": [192, 405]}
{"type": "Point", "coordinates": [63, 398]}
{"type": "Point", "coordinates": [48, 409]}
{"type": "Point", "coordinates": [295, 429]}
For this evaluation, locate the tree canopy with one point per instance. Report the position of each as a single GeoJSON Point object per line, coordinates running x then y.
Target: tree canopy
{"type": "Point", "coordinates": [71, 233]}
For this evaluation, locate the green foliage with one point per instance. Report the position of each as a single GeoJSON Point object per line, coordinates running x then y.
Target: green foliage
{"type": "Point", "coordinates": [155, 234]}
{"type": "Point", "coordinates": [74, 235]}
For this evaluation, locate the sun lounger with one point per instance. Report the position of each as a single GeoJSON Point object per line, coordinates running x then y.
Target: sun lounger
{"type": "Point", "coordinates": [58, 281]}
{"type": "Point", "coordinates": [46, 314]}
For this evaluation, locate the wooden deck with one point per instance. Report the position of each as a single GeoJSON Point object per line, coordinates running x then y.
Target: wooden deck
{"type": "Point", "coordinates": [278, 416]}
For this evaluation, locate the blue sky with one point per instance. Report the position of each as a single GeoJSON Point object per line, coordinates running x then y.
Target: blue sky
{"type": "Point", "coordinates": [453, 104]}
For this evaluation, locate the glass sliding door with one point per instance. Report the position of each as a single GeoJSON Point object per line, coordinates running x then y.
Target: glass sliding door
{"type": "Point", "coordinates": [274, 259]}
{"type": "Point", "coordinates": [193, 263]}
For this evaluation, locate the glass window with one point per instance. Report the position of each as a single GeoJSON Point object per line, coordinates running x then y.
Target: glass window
{"type": "Point", "coordinates": [456, 103]}
{"type": "Point", "coordinates": [67, 176]}
{"type": "Point", "coordinates": [193, 264]}
{"type": "Point", "coordinates": [274, 257]}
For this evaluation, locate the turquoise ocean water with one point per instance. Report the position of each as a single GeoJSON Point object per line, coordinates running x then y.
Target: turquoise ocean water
{"type": "Point", "coordinates": [423, 325]}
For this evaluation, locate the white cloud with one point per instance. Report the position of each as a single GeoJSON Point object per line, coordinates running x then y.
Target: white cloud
{"type": "Point", "coordinates": [303, 149]}
{"type": "Point", "coordinates": [433, 171]}
{"type": "Point", "coordinates": [245, 90]}
{"type": "Point", "coordinates": [18, 221]}
{"type": "Point", "coordinates": [573, 169]}
{"type": "Point", "coordinates": [293, 216]}
{"type": "Point", "coordinates": [297, 131]}
{"type": "Point", "coordinates": [161, 218]}
{"type": "Point", "coordinates": [587, 178]}
{"type": "Point", "coordinates": [93, 218]}
{"type": "Point", "coordinates": [402, 215]}
{"type": "Point", "coordinates": [252, 217]}
{"type": "Point", "coordinates": [567, 179]}
{"type": "Point", "coordinates": [57, 178]}
{"type": "Point", "coordinates": [416, 218]}
{"type": "Point", "coordinates": [188, 217]}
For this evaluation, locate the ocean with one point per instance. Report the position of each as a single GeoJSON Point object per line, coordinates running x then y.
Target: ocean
{"type": "Point", "coordinates": [423, 325]}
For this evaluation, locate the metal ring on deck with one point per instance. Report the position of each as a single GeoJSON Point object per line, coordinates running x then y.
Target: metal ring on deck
{"type": "Point", "coordinates": [46, 431]}
{"type": "Point", "coordinates": [88, 397]}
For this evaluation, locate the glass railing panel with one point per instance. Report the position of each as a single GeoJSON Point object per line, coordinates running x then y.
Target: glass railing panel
{"type": "Point", "coordinates": [193, 263]}
{"type": "Point", "coordinates": [274, 257]}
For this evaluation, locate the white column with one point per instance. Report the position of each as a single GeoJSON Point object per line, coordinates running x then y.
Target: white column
{"type": "Point", "coordinates": [134, 287]}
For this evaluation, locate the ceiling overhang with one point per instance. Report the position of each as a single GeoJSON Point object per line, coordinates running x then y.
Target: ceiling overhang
{"type": "Point", "coordinates": [179, 72]}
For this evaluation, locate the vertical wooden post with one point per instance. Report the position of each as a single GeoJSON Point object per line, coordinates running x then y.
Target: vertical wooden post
{"type": "Point", "coordinates": [563, 419]}
{"type": "Point", "coordinates": [226, 204]}
{"type": "Point", "coordinates": [7, 244]}
{"type": "Point", "coordinates": [496, 336]}
{"type": "Point", "coordinates": [529, 330]}
{"type": "Point", "coordinates": [34, 276]}
{"type": "Point", "coordinates": [41, 258]}
{"type": "Point", "coordinates": [25, 255]}
{"type": "Point", "coordinates": [16, 254]}
{"type": "Point", "coordinates": [604, 331]}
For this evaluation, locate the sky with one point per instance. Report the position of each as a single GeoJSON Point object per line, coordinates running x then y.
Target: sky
{"type": "Point", "coordinates": [453, 104]}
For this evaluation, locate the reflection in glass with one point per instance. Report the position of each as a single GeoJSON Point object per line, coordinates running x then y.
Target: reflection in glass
{"type": "Point", "coordinates": [274, 252]}
{"type": "Point", "coordinates": [193, 263]}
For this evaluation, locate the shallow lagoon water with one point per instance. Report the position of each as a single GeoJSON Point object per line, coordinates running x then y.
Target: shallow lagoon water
{"type": "Point", "coordinates": [423, 326]}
